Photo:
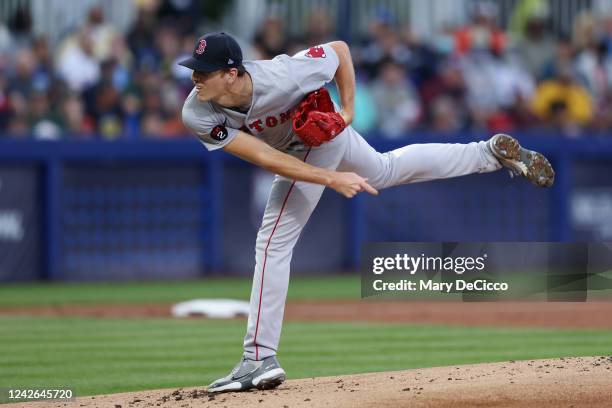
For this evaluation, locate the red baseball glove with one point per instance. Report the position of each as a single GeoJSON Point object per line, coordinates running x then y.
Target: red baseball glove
{"type": "Point", "coordinates": [315, 120]}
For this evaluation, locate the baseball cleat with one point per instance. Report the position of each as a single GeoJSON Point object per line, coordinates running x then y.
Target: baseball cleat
{"type": "Point", "coordinates": [520, 161]}
{"type": "Point", "coordinates": [263, 374]}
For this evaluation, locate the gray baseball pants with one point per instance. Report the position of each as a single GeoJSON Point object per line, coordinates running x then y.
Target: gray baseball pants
{"type": "Point", "coordinates": [290, 204]}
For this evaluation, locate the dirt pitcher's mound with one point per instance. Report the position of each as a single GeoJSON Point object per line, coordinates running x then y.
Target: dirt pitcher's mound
{"type": "Point", "coordinates": [577, 381]}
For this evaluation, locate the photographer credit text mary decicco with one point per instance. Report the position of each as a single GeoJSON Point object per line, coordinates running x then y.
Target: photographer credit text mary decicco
{"type": "Point", "coordinates": [479, 285]}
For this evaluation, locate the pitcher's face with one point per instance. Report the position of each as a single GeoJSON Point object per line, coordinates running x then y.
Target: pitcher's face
{"type": "Point", "coordinates": [210, 85]}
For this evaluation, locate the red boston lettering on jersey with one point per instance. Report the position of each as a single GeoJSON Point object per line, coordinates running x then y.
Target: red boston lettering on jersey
{"type": "Point", "coordinates": [285, 116]}
{"type": "Point", "coordinates": [256, 125]}
{"type": "Point", "coordinates": [316, 52]}
{"type": "Point", "coordinates": [201, 47]}
{"type": "Point", "coordinates": [271, 121]}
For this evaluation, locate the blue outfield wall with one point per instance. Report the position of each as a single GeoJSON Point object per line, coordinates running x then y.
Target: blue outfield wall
{"type": "Point", "coordinates": [130, 210]}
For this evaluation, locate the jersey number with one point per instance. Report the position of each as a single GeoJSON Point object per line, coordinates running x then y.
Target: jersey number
{"type": "Point", "coordinates": [219, 133]}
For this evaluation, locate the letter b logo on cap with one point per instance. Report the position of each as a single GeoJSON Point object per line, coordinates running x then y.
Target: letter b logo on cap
{"type": "Point", "coordinates": [201, 47]}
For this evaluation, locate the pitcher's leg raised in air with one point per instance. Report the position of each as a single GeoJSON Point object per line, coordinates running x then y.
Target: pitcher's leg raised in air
{"type": "Point", "coordinates": [432, 161]}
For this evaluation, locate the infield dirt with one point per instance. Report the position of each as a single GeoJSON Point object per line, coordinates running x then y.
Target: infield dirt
{"type": "Point", "coordinates": [564, 382]}
{"type": "Point", "coordinates": [586, 315]}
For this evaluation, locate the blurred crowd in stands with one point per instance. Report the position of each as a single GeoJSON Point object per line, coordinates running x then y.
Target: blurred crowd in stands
{"type": "Point", "coordinates": [101, 83]}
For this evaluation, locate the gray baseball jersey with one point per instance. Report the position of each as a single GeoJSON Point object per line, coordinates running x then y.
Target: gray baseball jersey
{"type": "Point", "coordinates": [279, 85]}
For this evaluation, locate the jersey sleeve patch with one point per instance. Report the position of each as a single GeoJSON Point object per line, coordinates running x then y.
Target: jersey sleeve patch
{"type": "Point", "coordinates": [316, 52]}
{"type": "Point", "coordinates": [219, 133]}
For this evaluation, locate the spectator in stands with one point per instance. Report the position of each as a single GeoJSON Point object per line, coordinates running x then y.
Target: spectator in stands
{"type": "Point", "coordinates": [76, 63]}
{"type": "Point", "coordinates": [103, 102]}
{"type": "Point", "coordinates": [108, 114]}
{"type": "Point", "coordinates": [131, 111]}
{"type": "Point", "coordinates": [383, 44]}
{"type": "Point", "coordinates": [444, 116]}
{"type": "Point", "coordinates": [270, 40]}
{"type": "Point", "coordinates": [171, 101]}
{"type": "Point", "coordinates": [422, 60]}
{"type": "Point", "coordinates": [152, 124]}
{"type": "Point", "coordinates": [43, 120]}
{"type": "Point", "coordinates": [18, 105]}
{"type": "Point", "coordinates": [18, 127]}
{"type": "Point", "coordinates": [594, 68]}
{"type": "Point", "coordinates": [606, 31]}
{"type": "Point", "coordinates": [563, 102]}
{"type": "Point", "coordinates": [593, 65]}
{"type": "Point", "coordinates": [584, 31]}
{"type": "Point", "coordinates": [602, 122]}
{"type": "Point", "coordinates": [21, 80]}
{"type": "Point", "coordinates": [44, 73]}
{"type": "Point", "coordinates": [139, 37]}
{"type": "Point", "coordinates": [517, 116]}
{"type": "Point", "coordinates": [496, 80]}
{"type": "Point", "coordinates": [103, 34]}
{"type": "Point", "coordinates": [160, 107]}
{"type": "Point", "coordinates": [169, 44]}
{"type": "Point", "coordinates": [563, 58]}
{"type": "Point", "coordinates": [483, 32]}
{"type": "Point", "coordinates": [180, 73]}
{"type": "Point", "coordinates": [5, 106]}
{"type": "Point", "coordinates": [182, 14]}
{"type": "Point", "coordinates": [319, 29]}
{"type": "Point", "coordinates": [123, 63]}
{"type": "Point", "coordinates": [75, 121]}
{"type": "Point", "coordinates": [446, 93]}
{"type": "Point", "coordinates": [31, 85]}
{"type": "Point", "coordinates": [6, 46]}
{"type": "Point", "coordinates": [397, 102]}
{"type": "Point", "coordinates": [537, 45]}
{"type": "Point", "coordinates": [151, 107]}
{"type": "Point", "coordinates": [151, 98]}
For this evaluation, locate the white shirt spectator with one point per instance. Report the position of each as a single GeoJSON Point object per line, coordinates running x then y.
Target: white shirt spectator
{"type": "Point", "coordinates": [496, 82]}
{"type": "Point", "coordinates": [76, 64]}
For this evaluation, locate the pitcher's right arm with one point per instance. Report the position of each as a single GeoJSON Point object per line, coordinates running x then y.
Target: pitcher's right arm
{"type": "Point", "coordinates": [255, 151]}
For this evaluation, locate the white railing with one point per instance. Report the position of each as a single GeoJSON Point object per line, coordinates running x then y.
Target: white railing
{"type": "Point", "coordinates": [423, 16]}
{"type": "Point", "coordinates": [54, 18]}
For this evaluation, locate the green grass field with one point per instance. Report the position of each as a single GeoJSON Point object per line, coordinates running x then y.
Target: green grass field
{"type": "Point", "coordinates": [338, 287]}
{"type": "Point", "coordinates": [99, 356]}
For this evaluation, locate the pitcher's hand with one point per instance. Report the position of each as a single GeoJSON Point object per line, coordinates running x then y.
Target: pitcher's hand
{"type": "Point", "coordinates": [349, 184]}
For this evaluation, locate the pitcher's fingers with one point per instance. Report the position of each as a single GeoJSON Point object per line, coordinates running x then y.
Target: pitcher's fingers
{"type": "Point", "coordinates": [369, 189]}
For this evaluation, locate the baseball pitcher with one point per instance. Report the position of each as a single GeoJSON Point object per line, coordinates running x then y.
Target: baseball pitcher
{"type": "Point", "coordinates": [277, 115]}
